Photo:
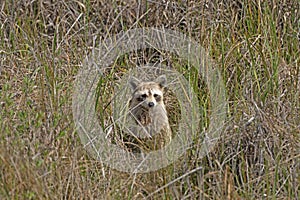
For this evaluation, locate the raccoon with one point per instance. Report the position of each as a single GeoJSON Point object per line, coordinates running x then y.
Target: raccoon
{"type": "Point", "coordinates": [148, 110]}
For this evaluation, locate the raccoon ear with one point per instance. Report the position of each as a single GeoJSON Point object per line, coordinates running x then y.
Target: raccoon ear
{"type": "Point", "coordinates": [161, 80]}
{"type": "Point", "coordinates": [134, 82]}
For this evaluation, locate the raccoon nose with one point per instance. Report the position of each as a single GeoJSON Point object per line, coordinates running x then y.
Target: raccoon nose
{"type": "Point", "coordinates": [151, 104]}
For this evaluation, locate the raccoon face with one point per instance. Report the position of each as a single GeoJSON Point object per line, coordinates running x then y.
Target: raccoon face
{"type": "Point", "coordinates": [148, 98]}
{"type": "Point", "coordinates": [148, 94]}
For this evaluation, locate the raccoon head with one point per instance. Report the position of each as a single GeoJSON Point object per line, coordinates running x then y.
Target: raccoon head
{"type": "Point", "coordinates": [148, 94]}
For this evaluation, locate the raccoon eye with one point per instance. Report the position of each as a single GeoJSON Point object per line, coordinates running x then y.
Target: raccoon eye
{"type": "Point", "coordinates": [140, 99]}
{"type": "Point", "coordinates": [157, 97]}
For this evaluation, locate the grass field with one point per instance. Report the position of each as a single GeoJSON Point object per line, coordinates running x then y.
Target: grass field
{"type": "Point", "coordinates": [255, 45]}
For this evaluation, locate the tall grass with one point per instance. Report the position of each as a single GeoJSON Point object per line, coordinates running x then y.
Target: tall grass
{"type": "Point", "coordinates": [255, 44]}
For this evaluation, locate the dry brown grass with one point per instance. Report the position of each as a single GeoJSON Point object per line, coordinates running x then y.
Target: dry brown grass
{"type": "Point", "coordinates": [256, 47]}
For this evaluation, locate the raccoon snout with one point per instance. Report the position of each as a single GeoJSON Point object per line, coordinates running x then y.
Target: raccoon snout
{"type": "Point", "coordinates": [150, 104]}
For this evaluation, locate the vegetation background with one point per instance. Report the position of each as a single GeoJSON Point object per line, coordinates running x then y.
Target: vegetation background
{"type": "Point", "coordinates": [255, 45]}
